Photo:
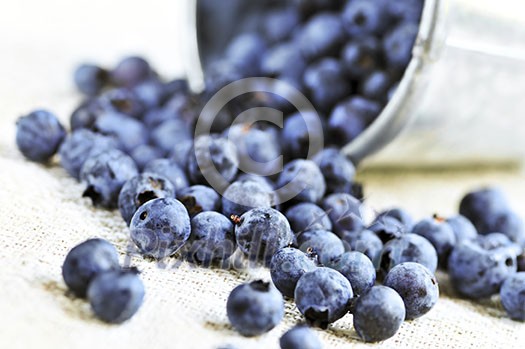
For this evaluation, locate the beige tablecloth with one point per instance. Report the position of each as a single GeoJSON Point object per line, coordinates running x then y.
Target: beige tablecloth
{"type": "Point", "coordinates": [42, 215]}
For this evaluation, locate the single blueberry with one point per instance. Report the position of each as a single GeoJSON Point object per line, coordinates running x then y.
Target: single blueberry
{"type": "Point", "coordinates": [357, 268]}
{"type": "Point", "coordinates": [245, 52]}
{"type": "Point", "coordinates": [122, 101]}
{"type": "Point", "coordinates": [160, 227]}
{"type": "Point", "coordinates": [130, 71]}
{"type": "Point", "coordinates": [321, 36]}
{"type": "Point", "coordinates": [261, 232]}
{"type": "Point", "coordinates": [323, 296]}
{"type": "Point", "coordinates": [169, 134]}
{"type": "Point", "coordinates": [85, 115]}
{"type": "Point", "coordinates": [151, 93]}
{"type": "Point", "coordinates": [144, 154]}
{"type": "Point", "coordinates": [301, 133]}
{"type": "Point", "coordinates": [199, 198]}
{"type": "Point", "coordinates": [170, 170]}
{"type": "Point", "coordinates": [513, 296]}
{"type": "Point", "coordinates": [279, 24]}
{"type": "Point", "coordinates": [378, 314]}
{"type": "Point", "coordinates": [440, 234]}
{"type": "Point", "coordinates": [90, 79]}
{"type": "Point", "coordinates": [366, 242]}
{"type": "Point", "coordinates": [287, 266]}
{"type": "Point", "coordinates": [361, 17]}
{"type": "Point", "coordinates": [302, 181]}
{"type": "Point", "coordinates": [255, 308]}
{"type": "Point", "coordinates": [307, 216]}
{"type": "Point", "coordinates": [300, 337]}
{"type": "Point", "coordinates": [344, 211]}
{"type": "Point", "coordinates": [39, 135]}
{"type": "Point", "coordinates": [284, 60]}
{"type": "Point", "coordinates": [376, 86]}
{"type": "Point", "coordinates": [337, 169]}
{"type": "Point", "coordinates": [325, 244]}
{"type": "Point", "coordinates": [116, 296]}
{"type": "Point", "coordinates": [181, 153]}
{"type": "Point", "coordinates": [242, 196]}
{"type": "Point", "coordinates": [408, 248]}
{"type": "Point", "coordinates": [398, 45]}
{"type": "Point", "coordinates": [480, 205]}
{"type": "Point", "coordinates": [416, 285]}
{"type": "Point", "coordinates": [361, 57]}
{"type": "Point", "coordinates": [401, 215]}
{"type": "Point", "coordinates": [87, 260]}
{"type": "Point", "coordinates": [141, 189]}
{"type": "Point", "coordinates": [128, 132]}
{"type": "Point", "coordinates": [104, 175]}
{"type": "Point", "coordinates": [212, 240]}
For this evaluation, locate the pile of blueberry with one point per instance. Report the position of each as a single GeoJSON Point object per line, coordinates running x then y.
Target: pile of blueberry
{"type": "Point", "coordinates": [133, 145]}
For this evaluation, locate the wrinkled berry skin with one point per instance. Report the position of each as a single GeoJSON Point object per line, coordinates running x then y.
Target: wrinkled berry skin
{"type": "Point", "coordinates": [365, 242]}
{"type": "Point", "coordinates": [104, 175]}
{"type": "Point", "coordinates": [408, 248]}
{"type": "Point", "coordinates": [242, 196]}
{"type": "Point", "coordinates": [87, 260]}
{"type": "Point", "coordinates": [79, 146]}
{"type": "Point", "coordinates": [160, 227]}
{"type": "Point", "coordinates": [287, 266]}
{"type": "Point", "coordinates": [212, 240]}
{"type": "Point", "coordinates": [199, 198]}
{"type": "Point", "coordinates": [303, 180]}
{"type": "Point", "coordinates": [416, 285]}
{"type": "Point", "coordinates": [169, 169]}
{"type": "Point", "coordinates": [345, 213]}
{"type": "Point", "coordinates": [38, 135]}
{"type": "Point", "coordinates": [440, 235]}
{"type": "Point", "coordinates": [378, 314]}
{"type": "Point", "coordinates": [116, 296]}
{"type": "Point", "coordinates": [323, 296]}
{"type": "Point", "coordinates": [325, 244]}
{"type": "Point", "coordinates": [261, 232]}
{"type": "Point", "coordinates": [357, 268]}
{"type": "Point", "coordinates": [337, 170]}
{"type": "Point", "coordinates": [307, 216]}
{"type": "Point", "coordinates": [255, 308]}
{"type": "Point", "coordinates": [300, 337]}
{"type": "Point", "coordinates": [141, 189]}
{"type": "Point", "coordinates": [90, 79]}
{"type": "Point", "coordinates": [513, 296]}
{"type": "Point", "coordinates": [213, 160]}
{"type": "Point", "coordinates": [462, 228]}
{"type": "Point", "coordinates": [478, 273]}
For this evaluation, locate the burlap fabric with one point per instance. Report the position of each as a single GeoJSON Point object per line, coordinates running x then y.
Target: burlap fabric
{"type": "Point", "coordinates": [42, 216]}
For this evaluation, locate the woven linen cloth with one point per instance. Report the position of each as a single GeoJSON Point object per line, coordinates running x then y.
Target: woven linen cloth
{"type": "Point", "coordinates": [42, 216]}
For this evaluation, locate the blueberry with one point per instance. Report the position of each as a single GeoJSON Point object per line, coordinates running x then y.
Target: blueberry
{"type": "Point", "coordinates": [90, 79]}
{"type": "Point", "coordinates": [323, 296]}
{"type": "Point", "coordinates": [245, 52]}
{"type": "Point", "coordinates": [85, 261]}
{"type": "Point", "coordinates": [123, 101]}
{"type": "Point", "coordinates": [325, 244]}
{"type": "Point", "coordinates": [301, 132]}
{"type": "Point", "coordinates": [511, 225]}
{"type": "Point", "coordinates": [361, 57]}
{"type": "Point", "coordinates": [141, 189]}
{"type": "Point", "coordinates": [85, 115]}
{"type": "Point", "coordinates": [300, 337]}
{"type": "Point", "coordinates": [321, 36]}
{"type": "Point", "coordinates": [405, 10]}
{"type": "Point", "coordinates": [199, 198]}
{"type": "Point", "coordinates": [387, 228]}
{"type": "Point", "coordinates": [151, 93]}
{"type": "Point", "coordinates": [131, 71]}
{"type": "Point", "coordinates": [116, 296]}
{"type": "Point", "coordinates": [170, 134]}
{"type": "Point", "coordinates": [104, 175]}
{"type": "Point", "coordinates": [286, 267]}
{"type": "Point", "coordinates": [307, 216]}
{"type": "Point", "coordinates": [255, 308]}
{"type": "Point", "coordinates": [344, 211]}
{"type": "Point", "coordinates": [408, 248]}
{"type": "Point", "coordinates": [416, 285]}
{"type": "Point", "coordinates": [242, 196]}
{"type": "Point", "coordinates": [160, 227]}
{"type": "Point", "coordinates": [398, 45]}
{"type": "Point", "coordinates": [219, 73]}
{"type": "Point", "coordinates": [361, 17]}
{"type": "Point", "coordinates": [357, 268]}
{"type": "Point", "coordinates": [283, 60]}
{"type": "Point", "coordinates": [181, 153]}
{"type": "Point", "coordinates": [212, 240]}
{"type": "Point", "coordinates": [144, 154]}
{"type": "Point", "coordinates": [129, 132]}
{"type": "Point", "coordinates": [261, 232]}
{"type": "Point", "coordinates": [401, 215]}
{"type": "Point", "coordinates": [480, 205]}
{"type": "Point", "coordinates": [378, 314]}
{"type": "Point", "coordinates": [170, 170]}
{"type": "Point", "coordinates": [365, 242]}
{"type": "Point", "coordinates": [498, 240]}
{"type": "Point", "coordinates": [302, 181]}
{"type": "Point", "coordinates": [79, 146]}
{"type": "Point", "coordinates": [213, 159]}
{"type": "Point", "coordinates": [337, 169]}
{"type": "Point", "coordinates": [513, 296]}
{"type": "Point", "coordinates": [376, 86]}
{"type": "Point", "coordinates": [279, 24]}
{"type": "Point", "coordinates": [38, 135]}
{"type": "Point", "coordinates": [478, 273]}
{"type": "Point", "coordinates": [326, 83]}
{"type": "Point", "coordinates": [440, 234]}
